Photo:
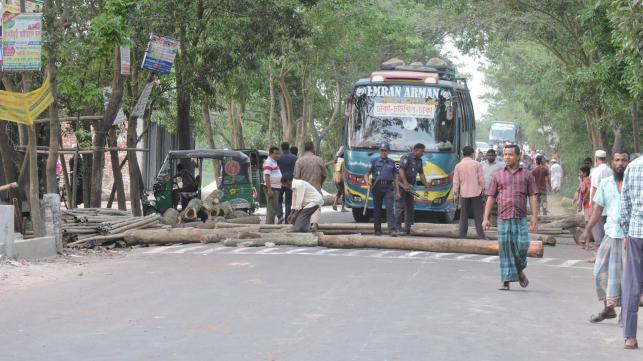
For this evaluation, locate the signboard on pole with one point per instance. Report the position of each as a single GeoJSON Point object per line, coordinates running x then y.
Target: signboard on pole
{"type": "Point", "coordinates": [21, 42]}
{"type": "Point", "coordinates": [160, 54]}
{"type": "Point", "coordinates": [139, 109]}
{"type": "Point", "coordinates": [125, 60]}
{"type": "Point", "coordinates": [13, 6]}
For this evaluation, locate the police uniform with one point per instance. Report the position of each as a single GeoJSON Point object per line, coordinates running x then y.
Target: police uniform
{"type": "Point", "coordinates": [405, 206]}
{"type": "Point", "coordinates": [384, 172]}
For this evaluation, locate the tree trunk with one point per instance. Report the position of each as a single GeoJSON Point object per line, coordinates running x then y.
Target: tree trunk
{"type": "Point", "coordinates": [100, 132]}
{"type": "Point", "coordinates": [176, 235]}
{"type": "Point", "coordinates": [209, 133]}
{"type": "Point", "coordinates": [636, 132]}
{"type": "Point", "coordinates": [271, 86]}
{"type": "Point", "coordinates": [112, 141]}
{"type": "Point", "coordinates": [133, 167]}
{"type": "Point", "coordinates": [287, 113]}
{"type": "Point", "coordinates": [183, 97]}
{"type": "Point", "coordinates": [54, 39]}
{"type": "Point", "coordinates": [11, 159]}
{"type": "Point", "coordinates": [34, 186]}
{"type": "Point", "coordinates": [618, 137]}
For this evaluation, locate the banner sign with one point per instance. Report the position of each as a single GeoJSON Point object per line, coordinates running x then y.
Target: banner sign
{"type": "Point", "coordinates": [125, 60]}
{"type": "Point", "coordinates": [25, 107]}
{"type": "Point", "coordinates": [13, 6]}
{"type": "Point", "coordinates": [21, 42]}
{"type": "Point", "coordinates": [139, 109]}
{"type": "Point", "coordinates": [160, 54]}
{"type": "Point", "coordinates": [404, 110]}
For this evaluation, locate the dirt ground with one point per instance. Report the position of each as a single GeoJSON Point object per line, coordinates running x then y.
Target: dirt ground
{"type": "Point", "coordinates": [17, 275]}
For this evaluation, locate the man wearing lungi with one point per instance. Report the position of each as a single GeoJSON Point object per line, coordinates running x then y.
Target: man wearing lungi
{"type": "Point", "coordinates": [632, 224]}
{"type": "Point", "coordinates": [511, 187]}
{"type": "Point", "coordinates": [608, 267]}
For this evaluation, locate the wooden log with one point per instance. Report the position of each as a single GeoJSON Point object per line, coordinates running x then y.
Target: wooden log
{"type": "Point", "coordinates": [177, 235]}
{"type": "Point", "coordinates": [245, 220]}
{"type": "Point", "coordinates": [142, 223]}
{"type": "Point", "coordinates": [567, 223]}
{"type": "Point", "coordinates": [97, 240]}
{"type": "Point", "coordinates": [192, 210]}
{"type": "Point", "coordinates": [422, 244]}
{"type": "Point", "coordinates": [547, 240]}
{"type": "Point", "coordinates": [171, 216]}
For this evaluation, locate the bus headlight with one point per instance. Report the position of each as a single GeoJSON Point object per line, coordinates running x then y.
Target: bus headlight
{"type": "Point", "coordinates": [439, 181]}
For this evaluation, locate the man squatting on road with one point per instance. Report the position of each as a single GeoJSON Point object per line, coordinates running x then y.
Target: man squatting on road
{"type": "Point", "coordinates": [306, 200]}
{"type": "Point", "coordinates": [632, 224]}
{"type": "Point", "coordinates": [608, 267]}
{"type": "Point", "coordinates": [511, 187]}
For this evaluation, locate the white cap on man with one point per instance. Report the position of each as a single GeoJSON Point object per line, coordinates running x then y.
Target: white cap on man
{"type": "Point", "coordinates": [600, 154]}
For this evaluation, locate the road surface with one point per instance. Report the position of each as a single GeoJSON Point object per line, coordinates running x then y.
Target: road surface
{"type": "Point", "coordinates": [206, 302]}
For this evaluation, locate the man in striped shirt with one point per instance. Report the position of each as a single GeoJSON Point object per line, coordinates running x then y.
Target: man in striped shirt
{"type": "Point", "coordinates": [272, 185]}
{"type": "Point", "coordinates": [510, 188]}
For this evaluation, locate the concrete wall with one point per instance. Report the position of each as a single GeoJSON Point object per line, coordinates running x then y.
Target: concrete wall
{"type": "Point", "coordinates": [7, 231]}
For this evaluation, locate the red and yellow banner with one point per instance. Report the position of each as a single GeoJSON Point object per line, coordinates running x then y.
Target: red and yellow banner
{"type": "Point", "coordinates": [25, 107]}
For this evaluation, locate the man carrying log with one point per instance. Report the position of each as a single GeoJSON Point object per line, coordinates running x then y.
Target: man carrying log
{"type": "Point", "coordinates": [632, 224]}
{"type": "Point", "coordinates": [410, 166]}
{"type": "Point", "coordinates": [306, 200]}
{"type": "Point", "coordinates": [511, 187]}
{"type": "Point", "coordinates": [608, 267]}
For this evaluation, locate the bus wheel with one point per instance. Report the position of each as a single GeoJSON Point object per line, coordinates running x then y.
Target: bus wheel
{"type": "Point", "coordinates": [360, 217]}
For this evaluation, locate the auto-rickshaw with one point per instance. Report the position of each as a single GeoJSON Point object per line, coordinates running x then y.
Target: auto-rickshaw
{"type": "Point", "coordinates": [257, 157]}
{"type": "Point", "coordinates": [235, 180]}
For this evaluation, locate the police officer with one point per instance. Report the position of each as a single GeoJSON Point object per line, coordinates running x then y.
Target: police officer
{"type": "Point", "coordinates": [410, 167]}
{"type": "Point", "coordinates": [383, 187]}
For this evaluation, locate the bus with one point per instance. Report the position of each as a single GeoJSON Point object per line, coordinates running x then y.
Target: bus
{"type": "Point", "coordinates": [404, 105]}
{"type": "Point", "coordinates": [501, 133]}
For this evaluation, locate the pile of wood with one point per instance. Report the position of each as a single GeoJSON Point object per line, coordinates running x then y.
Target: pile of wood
{"type": "Point", "coordinates": [81, 225]}
{"type": "Point", "coordinates": [210, 208]}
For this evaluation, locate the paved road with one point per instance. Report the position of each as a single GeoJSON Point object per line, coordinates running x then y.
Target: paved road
{"type": "Point", "coordinates": [192, 302]}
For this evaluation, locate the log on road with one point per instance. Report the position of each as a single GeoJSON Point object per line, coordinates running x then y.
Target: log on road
{"type": "Point", "coordinates": [177, 235]}
{"type": "Point", "coordinates": [422, 244]}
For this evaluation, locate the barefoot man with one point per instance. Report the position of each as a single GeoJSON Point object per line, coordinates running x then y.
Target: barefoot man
{"type": "Point", "coordinates": [511, 187]}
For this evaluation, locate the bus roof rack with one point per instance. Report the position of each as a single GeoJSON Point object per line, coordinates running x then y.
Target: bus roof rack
{"type": "Point", "coordinates": [434, 65]}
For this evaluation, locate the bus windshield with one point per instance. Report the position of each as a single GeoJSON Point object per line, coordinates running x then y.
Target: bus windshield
{"type": "Point", "coordinates": [402, 115]}
{"type": "Point", "coordinates": [503, 134]}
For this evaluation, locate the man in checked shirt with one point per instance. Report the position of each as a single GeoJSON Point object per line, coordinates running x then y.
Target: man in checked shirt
{"type": "Point", "coordinates": [632, 224]}
{"type": "Point", "coordinates": [511, 187]}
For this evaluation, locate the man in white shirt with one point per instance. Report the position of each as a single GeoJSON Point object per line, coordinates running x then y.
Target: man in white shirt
{"type": "Point", "coordinates": [306, 200]}
{"type": "Point", "coordinates": [272, 186]}
{"type": "Point", "coordinates": [598, 173]}
{"type": "Point", "coordinates": [556, 176]}
{"type": "Point", "coordinates": [491, 166]}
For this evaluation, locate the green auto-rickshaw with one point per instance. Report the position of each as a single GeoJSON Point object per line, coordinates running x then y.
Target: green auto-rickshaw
{"type": "Point", "coordinates": [196, 167]}
{"type": "Point", "coordinates": [257, 157]}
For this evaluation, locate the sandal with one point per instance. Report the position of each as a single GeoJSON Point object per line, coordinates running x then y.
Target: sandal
{"type": "Point", "coordinates": [523, 280]}
{"type": "Point", "coordinates": [601, 316]}
{"type": "Point", "coordinates": [631, 347]}
{"type": "Point", "coordinates": [504, 287]}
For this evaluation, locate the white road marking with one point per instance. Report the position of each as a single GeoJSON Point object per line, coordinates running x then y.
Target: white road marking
{"type": "Point", "coordinates": [544, 260]}
{"type": "Point", "coordinates": [212, 250]}
{"type": "Point", "coordinates": [187, 249]}
{"type": "Point", "coordinates": [326, 251]}
{"type": "Point", "coordinates": [489, 259]}
{"type": "Point", "coordinates": [239, 250]}
{"type": "Point", "coordinates": [268, 250]}
{"type": "Point", "coordinates": [411, 254]}
{"type": "Point", "coordinates": [465, 256]}
{"type": "Point", "coordinates": [163, 249]}
{"type": "Point", "coordinates": [297, 250]}
{"type": "Point", "coordinates": [355, 253]}
{"type": "Point", "coordinates": [381, 254]}
{"type": "Point", "coordinates": [440, 255]}
{"type": "Point", "coordinates": [571, 262]}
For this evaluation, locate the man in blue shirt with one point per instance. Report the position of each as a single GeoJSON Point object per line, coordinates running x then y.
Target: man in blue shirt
{"type": "Point", "coordinates": [384, 186]}
{"type": "Point", "coordinates": [286, 164]}
{"type": "Point", "coordinates": [411, 166]}
{"type": "Point", "coordinates": [608, 267]}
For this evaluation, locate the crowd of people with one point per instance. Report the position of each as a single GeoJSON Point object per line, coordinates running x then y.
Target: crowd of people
{"type": "Point", "coordinates": [610, 195]}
